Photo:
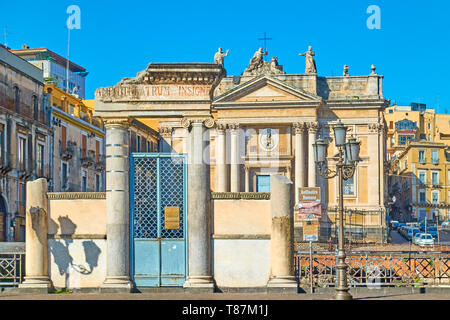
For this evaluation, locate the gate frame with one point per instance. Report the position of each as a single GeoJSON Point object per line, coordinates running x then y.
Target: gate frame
{"type": "Point", "coordinates": [132, 156]}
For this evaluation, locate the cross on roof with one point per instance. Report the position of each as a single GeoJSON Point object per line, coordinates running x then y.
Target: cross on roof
{"type": "Point", "coordinates": [265, 41]}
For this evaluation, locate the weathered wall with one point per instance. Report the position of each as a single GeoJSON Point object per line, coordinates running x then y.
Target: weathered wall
{"type": "Point", "coordinates": [241, 242]}
{"type": "Point", "coordinates": [77, 239]}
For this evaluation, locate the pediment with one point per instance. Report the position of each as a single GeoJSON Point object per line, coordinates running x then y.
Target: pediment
{"type": "Point", "coordinates": [265, 90]}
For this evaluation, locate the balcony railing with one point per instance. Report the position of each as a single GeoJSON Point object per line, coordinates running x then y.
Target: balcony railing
{"type": "Point", "coordinates": [89, 158]}
{"type": "Point", "coordinates": [100, 164]}
{"type": "Point", "coordinates": [68, 151]}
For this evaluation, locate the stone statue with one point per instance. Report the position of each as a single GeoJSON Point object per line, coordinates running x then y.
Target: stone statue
{"type": "Point", "coordinates": [274, 66]}
{"type": "Point", "coordinates": [346, 74]}
{"type": "Point", "coordinates": [220, 56]}
{"type": "Point", "coordinates": [310, 63]}
{"type": "Point", "coordinates": [257, 60]}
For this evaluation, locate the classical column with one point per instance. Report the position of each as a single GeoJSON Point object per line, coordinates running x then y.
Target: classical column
{"type": "Point", "coordinates": [299, 129]}
{"type": "Point", "coordinates": [247, 179]}
{"type": "Point", "coordinates": [234, 161]}
{"type": "Point", "coordinates": [282, 235]}
{"type": "Point", "coordinates": [221, 163]}
{"type": "Point", "coordinates": [166, 135]}
{"type": "Point", "coordinates": [312, 130]}
{"type": "Point", "coordinates": [199, 224]}
{"type": "Point", "coordinates": [117, 207]}
{"type": "Point", "coordinates": [36, 262]}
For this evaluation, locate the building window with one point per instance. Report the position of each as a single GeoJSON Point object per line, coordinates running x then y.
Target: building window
{"type": "Point", "coordinates": [148, 147]}
{"type": "Point", "coordinates": [22, 198]}
{"type": "Point", "coordinates": [40, 160]}
{"type": "Point", "coordinates": [422, 156]}
{"type": "Point", "coordinates": [83, 146]}
{"type": "Point", "coordinates": [63, 138]}
{"type": "Point", "coordinates": [138, 147]}
{"type": "Point", "coordinates": [22, 153]}
{"type": "Point", "coordinates": [64, 175]}
{"type": "Point", "coordinates": [35, 107]}
{"type": "Point", "coordinates": [2, 139]}
{"type": "Point", "coordinates": [97, 182]}
{"type": "Point", "coordinates": [435, 197]}
{"type": "Point", "coordinates": [402, 140]}
{"type": "Point", "coordinates": [17, 99]}
{"type": "Point", "coordinates": [422, 196]}
{"type": "Point", "coordinates": [97, 151]}
{"type": "Point", "coordinates": [349, 186]}
{"type": "Point", "coordinates": [434, 157]}
{"type": "Point", "coordinates": [422, 177]}
{"type": "Point", "coordinates": [84, 180]}
{"type": "Point", "coordinates": [435, 178]}
{"type": "Point", "coordinates": [391, 124]}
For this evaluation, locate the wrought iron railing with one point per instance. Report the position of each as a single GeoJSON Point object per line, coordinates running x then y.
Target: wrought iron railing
{"type": "Point", "coordinates": [12, 263]}
{"type": "Point", "coordinates": [375, 269]}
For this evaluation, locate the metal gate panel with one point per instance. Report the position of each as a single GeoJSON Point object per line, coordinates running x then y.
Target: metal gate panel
{"type": "Point", "coordinates": [158, 255]}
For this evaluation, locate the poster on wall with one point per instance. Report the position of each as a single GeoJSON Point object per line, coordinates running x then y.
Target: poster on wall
{"type": "Point", "coordinates": [308, 209]}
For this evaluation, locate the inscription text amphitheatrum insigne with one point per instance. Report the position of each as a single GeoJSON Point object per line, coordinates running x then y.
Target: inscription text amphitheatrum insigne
{"type": "Point", "coordinates": [154, 91]}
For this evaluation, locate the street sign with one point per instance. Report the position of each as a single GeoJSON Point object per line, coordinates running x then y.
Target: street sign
{"type": "Point", "coordinates": [310, 229]}
{"type": "Point", "coordinates": [309, 209]}
{"type": "Point", "coordinates": [309, 194]}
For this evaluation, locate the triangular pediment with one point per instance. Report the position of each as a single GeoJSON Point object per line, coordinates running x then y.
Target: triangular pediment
{"type": "Point", "coordinates": [266, 89]}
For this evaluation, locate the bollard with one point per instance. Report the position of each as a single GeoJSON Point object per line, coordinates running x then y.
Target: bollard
{"type": "Point", "coordinates": [282, 236]}
{"type": "Point", "coordinates": [36, 246]}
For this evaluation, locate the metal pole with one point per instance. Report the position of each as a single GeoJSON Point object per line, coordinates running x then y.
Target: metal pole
{"type": "Point", "coordinates": [310, 267]}
{"type": "Point", "coordinates": [437, 229]}
{"type": "Point", "coordinates": [342, 288]}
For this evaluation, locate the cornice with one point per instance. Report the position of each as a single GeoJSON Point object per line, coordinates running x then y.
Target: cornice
{"type": "Point", "coordinates": [76, 195]}
{"type": "Point", "coordinates": [240, 195]}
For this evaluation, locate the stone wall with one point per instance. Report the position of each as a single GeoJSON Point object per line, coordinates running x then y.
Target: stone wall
{"type": "Point", "coordinates": [241, 239]}
{"type": "Point", "coordinates": [77, 239]}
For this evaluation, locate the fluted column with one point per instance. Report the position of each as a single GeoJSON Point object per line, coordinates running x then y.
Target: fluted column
{"type": "Point", "coordinates": [221, 164]}
{"type": "Point", "coordinates": [117, 206]}
{"type": "Point", "coordinates": [312, 130]}
{"type": "Point", "coordinates": [199, 224]}
{"type": "Point", "coordinates": [299, 129]}
{"type": "Point", "coordinates": [234, 165]}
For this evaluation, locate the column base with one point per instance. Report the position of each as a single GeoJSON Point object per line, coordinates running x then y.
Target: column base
{"type": "Point", "coordinates": [36, 284]}
{"type": "Point", "coordinates": [282, 284]}
{"type": "Point", "coordinates": [116, 285]}
{"type": "Point", "coordinates": [199, 285]}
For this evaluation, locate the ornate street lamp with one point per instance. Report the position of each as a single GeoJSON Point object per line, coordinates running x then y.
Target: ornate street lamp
{"type": "Point", "coordinates": [347, 160]}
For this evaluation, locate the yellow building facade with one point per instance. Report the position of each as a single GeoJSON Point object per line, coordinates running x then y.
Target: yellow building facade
{"type": "Point", "coordinates": [420, 182]}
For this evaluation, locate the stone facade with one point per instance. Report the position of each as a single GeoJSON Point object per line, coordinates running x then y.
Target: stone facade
{"type": "Point", "coordinates": [24, 139]}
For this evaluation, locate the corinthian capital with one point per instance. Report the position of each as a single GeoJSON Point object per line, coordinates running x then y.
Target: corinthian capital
{"type": "Point", "coordinates": [299, 127]}
{"type": "Point", "coordinates": [233, 126]}
{"type": "Point", "coordinates": [221, 126]}
{"type": "Point", "coordinates": [312, 127]}
{"type": "Point", "coordinates": [123, 123]}
{"type": "Point", "coordinates": [165, 131]}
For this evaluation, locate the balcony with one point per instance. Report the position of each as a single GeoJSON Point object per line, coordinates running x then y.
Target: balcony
{"type": "Point", "coordinates": [67, 152]}
{"type": "Point", "coordinates": [100, 164]}
{"type": "Point", "coordinates": [88, 159]}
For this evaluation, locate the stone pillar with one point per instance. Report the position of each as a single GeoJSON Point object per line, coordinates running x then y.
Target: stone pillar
{"type": "Point", "coordinates": [299, 129]}
{"type": "Point", "coordinates": [199, 224]}
{"type": "Point", "coordinates": [247, 179]}
{"type": "Point", "coordinates": [36, 245]}
{"type": "Point", "coordinates": [166, 141]}
{"type": "Point", "coordinates": [312, 130]}
{"type": "Point", "coordinates": [235, 161]}
{"type": "Point", "coordinates": [117, 207]}
{"type": "Point", "coordinates": [282, 235]}
{"type": "Point", "coordinates": [221, 163]}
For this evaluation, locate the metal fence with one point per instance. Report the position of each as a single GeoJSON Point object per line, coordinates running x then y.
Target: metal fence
{"type": "Point", "coordinates": [12, 263]}
{"type": "Point", "coordinates": [375, 269]}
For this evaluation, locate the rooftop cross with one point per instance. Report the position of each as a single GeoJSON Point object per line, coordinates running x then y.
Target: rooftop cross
{"type": "Point", "coordinates": [265, 41]}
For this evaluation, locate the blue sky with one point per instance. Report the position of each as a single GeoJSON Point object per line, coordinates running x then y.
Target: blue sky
{"type": "Point", "coordinates": [119, 38]}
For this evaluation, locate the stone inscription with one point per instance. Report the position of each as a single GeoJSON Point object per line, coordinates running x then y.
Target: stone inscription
{"type": "Point", "coordinates": [154, 92]}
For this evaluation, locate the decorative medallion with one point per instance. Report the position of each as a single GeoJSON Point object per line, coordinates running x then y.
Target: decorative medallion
{"type": "Point", "coordinates": [268, 139]}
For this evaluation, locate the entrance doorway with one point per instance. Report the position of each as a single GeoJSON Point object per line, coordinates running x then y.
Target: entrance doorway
{"type": "Point", "coordinates": [263, 183]}
{"type": "Point", "coordinates": [158, 219]}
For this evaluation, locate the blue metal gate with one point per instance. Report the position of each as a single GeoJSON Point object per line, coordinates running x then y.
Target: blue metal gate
{"type": "Point", "coordinates": [158, 193]}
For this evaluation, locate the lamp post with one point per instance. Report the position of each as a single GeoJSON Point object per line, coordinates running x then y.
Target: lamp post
{"type": "Point", "coordinates": [347, 160]}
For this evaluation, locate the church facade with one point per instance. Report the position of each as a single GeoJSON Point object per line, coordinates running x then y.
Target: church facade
{"type": "Point", "coordinates": [265, 121]}
{"type": "Point", "coordinates": [237, 134]}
